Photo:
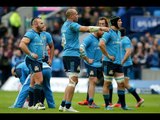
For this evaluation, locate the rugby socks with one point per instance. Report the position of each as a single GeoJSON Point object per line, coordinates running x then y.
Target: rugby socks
{"type": "Point", "coordinates": [110, 93]}
{"type": "Point", "coordinates": [37, 93]}
{"type": "Point", "coordinates": [134, 93]}
{"type": "Point", "coordinates": [106, 99]}
{"type": "Point", "coordinates": [87, 98]}
{"type": "Point", "coordinates": [68, 104]}
{"type": "Point", "coordinates": [90, 101]}
{"type": "Point", "coordinates": [63, 103]}
{"type": "Point", "coordinates": [42, 96]}
{"type": "Point", "coordinates": [121, 95]}
{"type": "Point", "coordinates": [30, 96]}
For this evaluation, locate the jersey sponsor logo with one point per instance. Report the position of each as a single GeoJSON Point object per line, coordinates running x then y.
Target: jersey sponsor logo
{"type": "Point", "coordinates": [91, 72]}
{"type": "Point", "coordinates": [43, 37]}
{"type": "Point", "coordinates": [36, 68]}
{"type": "Point", "coordinates": [111, 72]}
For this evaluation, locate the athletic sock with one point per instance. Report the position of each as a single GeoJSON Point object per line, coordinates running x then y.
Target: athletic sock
{"type": "Point", "coordinates": [63, 103]}
{"type": "Point", "coordinates": [30, 96]}
{"type": "Point", "coordinates": [37, 93]}
{"type": "Point", "coordinates": [90, 101]}
{"type": "Point", "coordinates": [106, 99]}
{"type": "Point", "coordinates": [134, 93]}
{"type": "Point", "coordinates": [110, 93]}
{"type": "Point", "coordinates": [68, 104]}
{"type": "Point", "coordinates": [121, 95]}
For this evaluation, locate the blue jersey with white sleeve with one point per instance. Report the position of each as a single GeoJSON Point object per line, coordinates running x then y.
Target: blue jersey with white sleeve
{"type": "Point", "coordinates": [92, 50]}
{"type": "Point", "coordinates": [70, 38]}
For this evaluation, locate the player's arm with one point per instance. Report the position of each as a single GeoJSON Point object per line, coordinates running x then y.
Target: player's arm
{"type": "Point", "coordinates": [51, 46]}
{"type": "Point", "coordinates": [127, 54]}
{"type": "Point", "coordinates": [23, 46]}
{"type": "Point", "coordinates": [13, 71]}
{"type": "Point", "coordinates": [92, 29]}
{"type": "Point", "coordinates": [103, 49]}
{"type": "Point", "coordinates": [83, 55]}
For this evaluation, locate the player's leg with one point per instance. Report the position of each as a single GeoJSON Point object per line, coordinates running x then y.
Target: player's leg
{"type": "Point", "coordinates": [108, 76]}
{"type": "Point", "coordinates": [127, 72]}
{"type": "Point", "coordinates": [85, 102]}
{"type": "Point", "coordinates": [46, 87]}
{"type": "Point", "coordinates": [73, 64]}
{"type": "Point", "coordinates": [35, 68]}
{"type": "Point", "coordinates": [23, 93]}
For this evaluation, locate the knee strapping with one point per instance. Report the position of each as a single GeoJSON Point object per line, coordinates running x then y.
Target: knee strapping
{"type": "Point", "coordinates": [71, 82]}
{"type": "Point", "coordinates": [72, 74]}
{"type": "Point", "coordinates": [119, 79]}
{"type": "Point", "coordinates": [108, 78]}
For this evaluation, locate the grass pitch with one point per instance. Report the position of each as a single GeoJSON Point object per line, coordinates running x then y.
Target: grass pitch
{"type": "Point", "coordinates": [150, 105]}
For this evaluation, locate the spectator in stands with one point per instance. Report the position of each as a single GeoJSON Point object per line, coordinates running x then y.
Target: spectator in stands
{"type": "Point", "coordinates": [152, 60]}
{"type": "Point", "coordinates": [15, 23]}
{"type": "Point", "coordinates": [136, 68]}
{"type": "Point", "coordinates": [5, 65]}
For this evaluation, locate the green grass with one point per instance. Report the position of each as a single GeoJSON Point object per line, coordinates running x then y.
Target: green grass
{"type": "Point", "coordinates": [151, 104]}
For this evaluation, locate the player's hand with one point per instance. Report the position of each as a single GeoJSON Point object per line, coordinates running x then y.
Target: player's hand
{"type": "Point", "coordinates": [122, 62]}
{"type": "Point", "coordinates": [111, 57]}
{"type": "Point", "coordinates": [49, 62]}
{"type": "Point", "coordinates": [33, 55]}
{"type": "Point", "coordinates": [90, 61]}
{"type": "Point", "coordinates": [106, 29]}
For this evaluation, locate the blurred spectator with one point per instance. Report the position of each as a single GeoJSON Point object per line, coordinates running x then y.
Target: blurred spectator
{"type": "Point", "coordinates": [57, 65]}
{"type": "Point", "coordinates": [15, 23]}
{"type": "Point", "coordinates": [5, 65]}
{"type": "Point", "coordinates": [56, 36]}
{"type": "Point", "coordinates": [152, 59]}
{"type": "Point", "coordinates": [121, 11]}
{"type": "Point", "coordinates": [17, 56]}
{"type": "Point", "coordinates": [136, 68]}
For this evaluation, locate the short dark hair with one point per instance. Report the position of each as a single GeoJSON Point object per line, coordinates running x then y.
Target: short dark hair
{"type": "Point", "coordinates": [32, 20]}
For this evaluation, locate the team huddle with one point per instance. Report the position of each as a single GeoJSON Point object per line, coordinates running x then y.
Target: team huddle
{"type": "Point", "coordinates": [106, 52]}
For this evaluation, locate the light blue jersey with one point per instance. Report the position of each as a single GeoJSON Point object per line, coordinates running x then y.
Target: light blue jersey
{"type": "Point", "coordinates": [22, 71]}
{"type": "Point", "coordinates": [47, 41]}
{"type": "Point", "coordinates": [36, 43]}
{"type": "Point", "coordinates": [70, 38]}
{"type": "Point", "coordinates": [92, 50]}
{"type": "Point", "coordinates": [112, 42]}
{"type": "Point", "coordinates": [126, 43]}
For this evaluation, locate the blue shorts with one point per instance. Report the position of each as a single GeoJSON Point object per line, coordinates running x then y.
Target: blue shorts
{"type": "Point", "coordinates": [94, 71]}
{"type": "Point", "coordinates": [71, 64]}
{"type": "Point", "coordinates": [33, 66]}
{"type": "Point", "coordinates": [110, 68]}
{"type": "Point", "coordinates": [128, 71]}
